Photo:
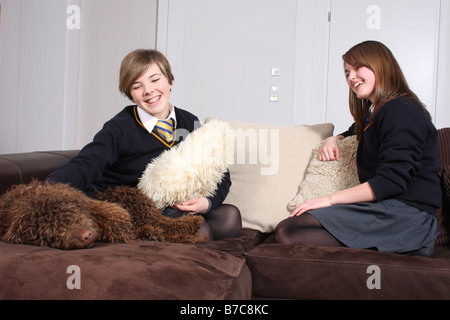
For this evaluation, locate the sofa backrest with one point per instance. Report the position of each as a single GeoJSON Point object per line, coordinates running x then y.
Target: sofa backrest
{"type": "Point", "coordinates": [444, 212]}
{"type": "Point", "coordinates": [23, 167]}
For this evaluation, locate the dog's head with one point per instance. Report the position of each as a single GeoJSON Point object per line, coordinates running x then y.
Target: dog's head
{"type": "Point", "coordinates": [51, 215]}
{"type": "Point", "coordinates": [67, 234]}
{"type": "Point", "coordinates": [80, 235]}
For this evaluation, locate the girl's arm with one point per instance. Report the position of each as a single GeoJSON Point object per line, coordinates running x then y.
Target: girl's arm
{"type": "Point", "coordinates": [360, 193]}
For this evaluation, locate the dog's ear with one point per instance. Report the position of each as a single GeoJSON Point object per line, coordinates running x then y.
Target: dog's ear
{"type": "Point", "coordinates": [114, 222]}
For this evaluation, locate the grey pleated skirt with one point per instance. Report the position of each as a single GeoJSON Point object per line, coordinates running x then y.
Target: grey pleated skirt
{"type": "Point", "coordinates": [389, 225]}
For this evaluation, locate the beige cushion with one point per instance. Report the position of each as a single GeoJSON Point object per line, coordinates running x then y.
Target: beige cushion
{"type": "Point", "coordinates": [325, 177]}
{"type": "Point", "coordinates": [269, 163]}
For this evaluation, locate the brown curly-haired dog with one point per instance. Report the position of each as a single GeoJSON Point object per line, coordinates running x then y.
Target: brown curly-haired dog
{"type": "Point", "coordinates": [59, 216]}
{"type": "Point", "coordinates": [148, 219]}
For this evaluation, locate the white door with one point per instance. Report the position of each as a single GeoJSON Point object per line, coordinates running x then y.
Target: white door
{"type": "Point", "coordinates": [410, 28]}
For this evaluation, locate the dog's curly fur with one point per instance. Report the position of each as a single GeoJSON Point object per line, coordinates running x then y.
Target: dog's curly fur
{"type": "Point", "coordinates": [59, 216]}
{"type": "Point", "coordinates": [148, 220]}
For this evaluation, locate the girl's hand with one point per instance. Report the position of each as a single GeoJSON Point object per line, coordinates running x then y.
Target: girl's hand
{"type": "Point", "coordinates": [193, 206]}
{"type": "Point", "coordinates": [330, 149]}
{"type": "Point", "coordinates": [360, 193]}
{"type": "Point", "coordinates": [311, 205]}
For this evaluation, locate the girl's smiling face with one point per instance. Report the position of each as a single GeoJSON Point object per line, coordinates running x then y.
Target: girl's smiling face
{"type": "Point", "coordinates": [361, 80]}
{"type": "Point", "coordinates": [151, 92]}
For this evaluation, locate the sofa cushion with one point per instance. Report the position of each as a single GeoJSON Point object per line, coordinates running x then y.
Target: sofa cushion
{"type": "Point", "coordinates": [446, 181]}
{"type": "Point", "coordinates": [247, 240]}
{"type": "Point", "coordinates": [443, 214]}
{"type": "Point", "coordinates": [270, 161]}
{"type": "Point", "coordinates": [289, 271]}
{"type": "Point", "coordinates": [138, 270]}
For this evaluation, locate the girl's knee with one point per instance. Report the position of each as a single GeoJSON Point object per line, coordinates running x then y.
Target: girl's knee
{"type": "Point", "coordinates": [225, 221]}
{"type": "Point", "coordinates": [281, 232]}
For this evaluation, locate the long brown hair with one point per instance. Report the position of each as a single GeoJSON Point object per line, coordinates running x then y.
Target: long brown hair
{"type": "Point", "coordinates": [390, 83]}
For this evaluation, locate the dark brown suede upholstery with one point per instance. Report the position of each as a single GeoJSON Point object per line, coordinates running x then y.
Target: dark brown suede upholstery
{"type": "Point", "coordinates": [22, 167]}
{"type": "Point", "coordinates": [251, 265]}
{"type": "Point", "coordinates": [139, 270]}
{"type": "Point", "coordinates": [307, 272]}
{"type": "Point", "coordinates": [444, 212]}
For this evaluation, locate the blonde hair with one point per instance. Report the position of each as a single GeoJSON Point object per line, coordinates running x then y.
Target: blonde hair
{"type": "Point", "coordinates": [390, 82]}
{"type": "Point", "coordinates": [136, 63]}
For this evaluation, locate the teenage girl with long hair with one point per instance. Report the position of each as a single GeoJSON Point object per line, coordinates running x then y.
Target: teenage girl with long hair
{"type": "Point", "coordinates": [394, 207]}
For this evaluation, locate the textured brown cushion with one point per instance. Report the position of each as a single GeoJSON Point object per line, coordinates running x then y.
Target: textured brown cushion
{"type": "Point", "coordinates": [446, 180]}
{"type": "Point", "coordinates": [139, 270]}
{"type": "Point", "coordinates": [308, 272]}
{"type": "Point", "coordinates": [443, 215]}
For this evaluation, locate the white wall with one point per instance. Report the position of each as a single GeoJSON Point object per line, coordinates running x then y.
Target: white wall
{"type": "Point", "coordinates": [110, 30]}
{"type": "Point", "coordinates": [443, 77]}
{"type": "Point", "coordinates": [410, 28]}
{"type": "Point", "coordinates": [34, 73]}
{"type": "Point", "coordinates": [222, 51]}
{"type": "Point", "coordinates": [311, 62]}
{"type": "Point", "coordinates": [9, 75]}
{"type": "Point", "coordinates": [58, 86]}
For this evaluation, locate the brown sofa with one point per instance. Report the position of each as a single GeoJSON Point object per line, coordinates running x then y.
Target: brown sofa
{"type": "Point", "coordinates": [250, 266]}
{"type": "Point", "coordinates": [139, 270]}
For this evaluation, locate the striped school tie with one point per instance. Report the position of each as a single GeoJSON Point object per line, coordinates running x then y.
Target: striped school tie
{"type": "Point", "coordinates": [164, 128]}
{"type": "Point", "coordinates": [366, 120]}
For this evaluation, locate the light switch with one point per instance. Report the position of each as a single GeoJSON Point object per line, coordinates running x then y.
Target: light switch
{"type": "Point", "coordinates": [274, 93]}
{"type": "Point", "coordinates": [275, 72]}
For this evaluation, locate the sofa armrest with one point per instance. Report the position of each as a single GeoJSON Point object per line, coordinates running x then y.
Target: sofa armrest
{"type": "Point", "coordinates": [19, 168]}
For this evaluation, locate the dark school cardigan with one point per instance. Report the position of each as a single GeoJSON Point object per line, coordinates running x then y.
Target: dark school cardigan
{"type": "Point", "coordinates": [120, 152]}
{"type": "Point", "coordinates": [398, 155]}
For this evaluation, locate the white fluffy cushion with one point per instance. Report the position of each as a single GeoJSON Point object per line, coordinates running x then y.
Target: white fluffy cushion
{"type": "Point", "coordinates": [193, 168]}
{"type": "Point", "coordinates": [269, 162]}
{"type": "Point", "coordinates": [325, 177]}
